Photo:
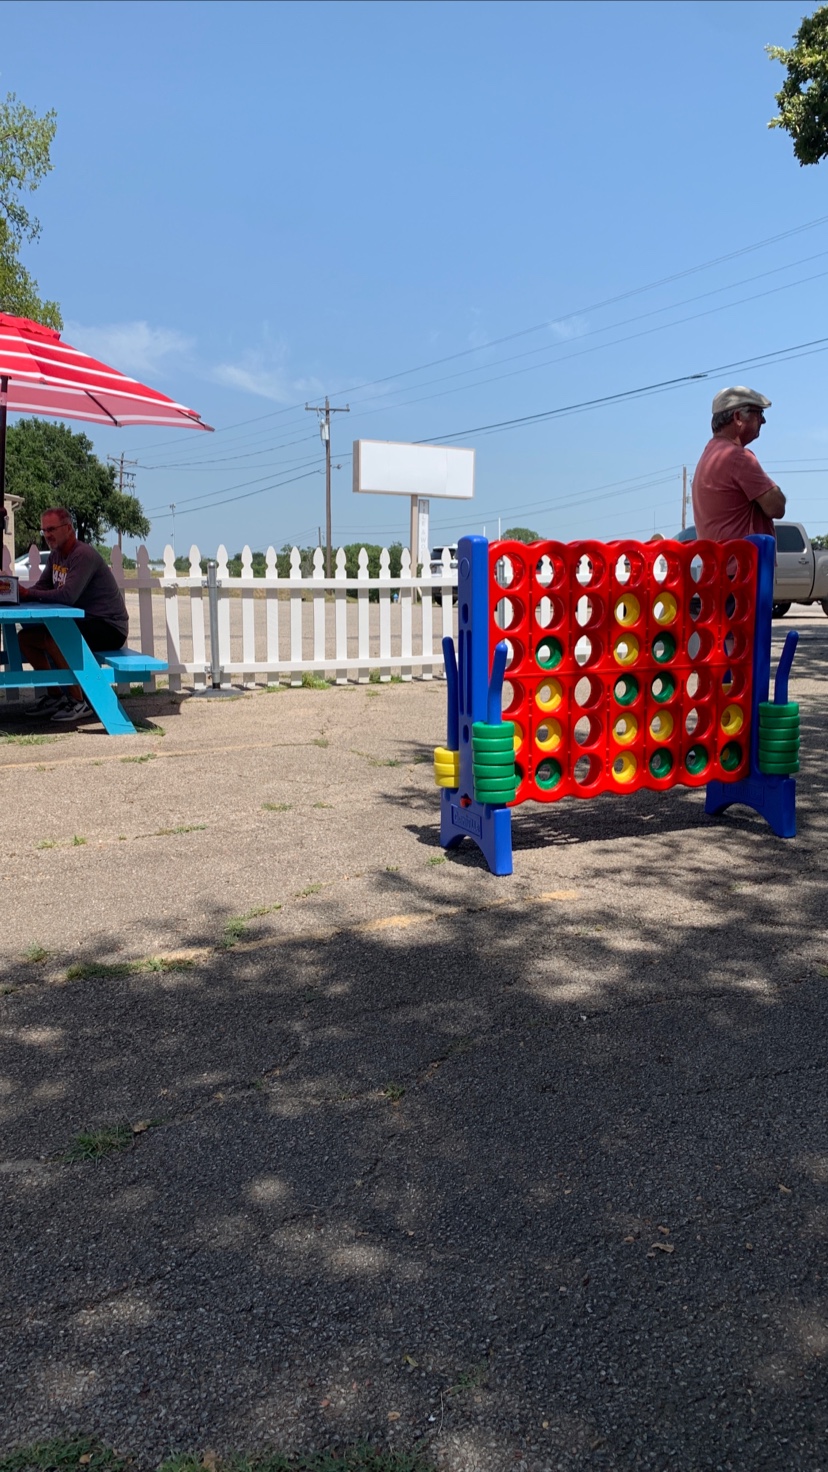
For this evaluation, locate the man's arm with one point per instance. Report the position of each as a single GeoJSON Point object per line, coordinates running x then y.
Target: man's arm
{"type": "Point", "coordinates": [773, 503]}
{"type": "Point", "coordinates": [80, 572]}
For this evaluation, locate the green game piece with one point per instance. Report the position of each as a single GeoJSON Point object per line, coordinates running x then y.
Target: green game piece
{"type": "Point", "coordinates": [780, 769]}
{"type": "Point", "coordinates": [496, 795]}
{"type": "Point", "coordinates": [487, 757]}
{"type": "Point", "coordinates": [663, 649]}
{"type": "Point", "coordinates": [791, 708]}
{"type": "Point", "coordinates": [668, 688]}
{"type": "Point", "coordinates": [778, 743]}
{"type": "Point", "coordinates": [731, 756]}
{"type": "Point", "coordinates": [661, 763]}
{"type": "Point", "coordinates": [549, 654]}
{"type": "Point", "coordinates": [548, 773]}
{"type": "Point", "coordinates": [625, 689]}
{"type": "Point", "coordinates": [696, 760]}
{"type": "Point", "coordinates": [483, 729]}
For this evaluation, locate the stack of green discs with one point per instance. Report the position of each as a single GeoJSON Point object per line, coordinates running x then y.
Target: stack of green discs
{"type": "Point", "coordinates": [493, 759]}
{"type": "Point", "coordinates": [779, 737]}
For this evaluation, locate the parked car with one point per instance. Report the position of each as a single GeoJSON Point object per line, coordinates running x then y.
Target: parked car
{"type": "Point", "coordinates": [436, 568]}
{"type": "Point", "coordinates": [801, 570]}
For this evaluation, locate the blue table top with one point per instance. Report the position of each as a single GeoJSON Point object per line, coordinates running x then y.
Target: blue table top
{"type": "Point", "coordinates": [33, 613]}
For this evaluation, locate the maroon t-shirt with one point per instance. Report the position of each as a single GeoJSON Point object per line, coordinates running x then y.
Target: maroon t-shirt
{"type": "Point", "coordinates": [726, 487]}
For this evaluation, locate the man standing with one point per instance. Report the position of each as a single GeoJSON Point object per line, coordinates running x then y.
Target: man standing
{"type": "Point", "coordinates": [732, 495]}
{"type": "Point", "coordinates": [77, 575]}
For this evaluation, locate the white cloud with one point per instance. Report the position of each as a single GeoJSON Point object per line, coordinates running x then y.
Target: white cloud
{"type": "Point", "coordinates": [265, 372]}
{"type": "Point", "coordinates": [568, 327]}
{"type": "Point", "coordinates": [133, 347]}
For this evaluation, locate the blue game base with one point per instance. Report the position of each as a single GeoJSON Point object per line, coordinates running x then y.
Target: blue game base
{"type": "Point", "coordinates": [490, 828]}
{"type": "Point", "coordinates": [774, 798]}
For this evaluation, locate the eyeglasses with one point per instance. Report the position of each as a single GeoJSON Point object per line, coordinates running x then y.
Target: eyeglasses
{"type": "Point", "coordinates": [752, 409]}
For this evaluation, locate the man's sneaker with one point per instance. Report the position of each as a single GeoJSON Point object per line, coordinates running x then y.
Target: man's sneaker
{"type": "Point", "coordinates": [74, 710]}
{"type": "Point", "coordinates": [49, 703]}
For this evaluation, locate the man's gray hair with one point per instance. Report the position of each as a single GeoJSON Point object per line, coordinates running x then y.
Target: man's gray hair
{"type": "Point", "coordinates": [719, 420]}
{"type": "Point", "coordinates": [59, 511]}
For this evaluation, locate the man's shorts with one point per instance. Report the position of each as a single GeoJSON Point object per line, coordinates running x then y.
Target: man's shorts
{"type": "Point", "coordinates": [101, 635]}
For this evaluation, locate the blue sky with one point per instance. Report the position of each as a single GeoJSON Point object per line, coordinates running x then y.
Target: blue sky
{"type": "Point", "coordinates": [255, 204]}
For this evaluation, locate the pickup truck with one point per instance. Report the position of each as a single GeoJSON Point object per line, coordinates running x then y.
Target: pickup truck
{"type": "Point", "coordinates": [801, 570]}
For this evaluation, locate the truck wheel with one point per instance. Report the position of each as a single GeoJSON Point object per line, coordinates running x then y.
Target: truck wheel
{"type": "Point", "coordinates": [778, 610]}
{"type": "Point", "coordinates": [825, 606]}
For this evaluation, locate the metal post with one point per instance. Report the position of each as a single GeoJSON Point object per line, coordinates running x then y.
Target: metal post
{"type": "Point", "coordinates": [683, 497]}
{"type": "Point", "coordinates": [212, 601]}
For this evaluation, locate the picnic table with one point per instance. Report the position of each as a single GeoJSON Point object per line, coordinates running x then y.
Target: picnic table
{"type": "Point", "coordinates": [96, 674]}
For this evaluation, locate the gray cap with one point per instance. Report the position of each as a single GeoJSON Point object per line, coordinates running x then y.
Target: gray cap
{"type": "Point", "coordinates": [736, 398]}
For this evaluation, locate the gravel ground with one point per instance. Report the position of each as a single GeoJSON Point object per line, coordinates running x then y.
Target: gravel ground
{"type": "Point", "coordinates": [528, 1172]}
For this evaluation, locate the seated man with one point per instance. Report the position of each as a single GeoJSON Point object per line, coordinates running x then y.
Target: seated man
{"type": "Point", "coordinates": [77, 575]}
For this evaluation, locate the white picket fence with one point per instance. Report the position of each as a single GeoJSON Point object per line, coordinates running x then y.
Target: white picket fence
{"type": "Point", "coordinates": [273, 628]}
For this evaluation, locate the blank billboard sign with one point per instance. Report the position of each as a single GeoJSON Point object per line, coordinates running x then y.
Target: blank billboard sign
{"type": "Point", "coordinates": [384, 467]}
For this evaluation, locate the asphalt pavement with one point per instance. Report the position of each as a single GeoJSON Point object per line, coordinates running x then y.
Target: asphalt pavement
{"type": "Point", "coordinates": [526, 1172]}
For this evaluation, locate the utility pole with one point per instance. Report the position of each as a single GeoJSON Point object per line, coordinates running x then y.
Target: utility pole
{"type": "Point", "coordinates": [172, 509]}
{"type": "Point", "coordinates": [325, 433]}
{"type": "Point", "coordinates": [126, 478]}
{"type": "Point", "coordinates": [683, 497]}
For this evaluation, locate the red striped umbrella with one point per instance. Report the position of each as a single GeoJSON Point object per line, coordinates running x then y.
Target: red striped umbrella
{"type": "Point", "coordinates": [40, 374]}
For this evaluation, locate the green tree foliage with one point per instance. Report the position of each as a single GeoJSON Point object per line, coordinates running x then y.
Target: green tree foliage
{"type": "Point", "coordinates": [521, 534]}
{"type": "Point", "coordinates": [820, 543]}
{"type": "Point", "coordinates": [803, 99]}
{"type": "Point", "coordinates": [50, 465]}
{"type": "Point", "coordinates": [25, 148]}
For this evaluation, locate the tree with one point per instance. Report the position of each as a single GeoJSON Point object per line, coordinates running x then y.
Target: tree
{"type": "Point", "coordinates": [521, 534]}
{"type": "Point", "coordinates": [25, 148]}
{"type": "Point", "coordinates": [50, 465]}
{"type": "Point", "coordinates": [803, 100]}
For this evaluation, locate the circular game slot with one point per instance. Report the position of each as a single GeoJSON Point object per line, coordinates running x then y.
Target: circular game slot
{"type": "Point", "coordinates": [512, 696]}
{"type": "Point", "coordinates": [626, 690]}
{"type": "Point", "coordinates": [626, 649]}
{"type": "Point", "coordinates": [661, 763]}
{"type": "Point", "coordinates": [624, 768]}
{"type": "Point", "coordinates": [549, 613]}
{"type": "Point", "coordinates": [589, 612]}
{"type": "Point", "coordinates": [663, 687]}
{"type": "Point", "coordinates": [625, 729]}
{"type": "Point", "coordinates": [550, 570]}
{"type": "Point", "coordinates": [587, 770]}
{"type": "Point", "coordinates": [734, 644]}
{"type": "Point", "coordinates": [662, 725]}
{"type": "Point", "coordinates": [508, 570]}
{"type": "Point", "coordinates": [733, 683]}
{"type": "Point", "coordinates": [587, 650]}
{"type": "Point", "coordinates": [700, 645]}
{"type": "Point", "coordinates": [731, 756]}
{"type": "Point", "coordinates": [629, 568]}
{"type": "Point", "coordinates": [704, 564]}
{"type": "Point", "coordinates": [738, 567]}
{"type": "Point", "coordinates": [549, 695]}
{"type": "Point", "coordinates": [663, 648]}
{"type": "Point", "coordinates": [627, 610]}
{"type": "Point", "coordinates": [589, 692]}
{"type": "Point", "coordinates": [514, 652]}
{"type": "Point", "coordinates": [508, 611]}
{"type": "Point", "coordinates": [697, 759]}
{"type": "Point", "coordinates": [732, 720]}
{"type": "Point", "coordinates": [518, 735]}
{"type": "Point", "coordinates": [587, 730]}
{"type": "Point", "coordinates": [591, 568]}
{"type": "Point", "coordinates": [665, 609]}
{"type": "Point", "coordinates": [549, 653]}
{"type": "Point", "coordinates": [548, 735]}
{"type": "Point", "coordinates": [548, 774]}
{"type": "Point", "coordinates": [697, 722]}
{"type": "Point", "coordinates": [667, 569]}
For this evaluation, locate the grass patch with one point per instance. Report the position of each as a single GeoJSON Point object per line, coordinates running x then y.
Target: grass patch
{"type": "Point", "coordinates": [46, 843]}
{"type": "Point", "coordinates": [35, 956]}
{"type": "Point", "coordinates": [276, 807]}
{"type": "Point", "coordinates": [70, 1454]}
{"type": "Point", "coordinates": [320, 741]}
{"type": "Point", "coordinates": [323, 804]}
{"type": "Point", "coordinates": [394, 1092]}
{"type": "Point", "coordinates": [182, 828]}
{"type": "Point", "coordinates": [377, 761]}
{"type": "Point", "coordinates": [95, 1144]}
{"type": "Point", "coordinates": [78, 841]}
{"type": "Point", "coordinates": [10, 738]}
{"type": "Point", "coordinates": [440, 860]}
{"type": "Point", "coordinates": [374, 678]}
{"type": "Point", "coordinates": [148, 756]}
{"type": "Point", "coordinates": [420, 757]}
{"type": "Point", "coordinates": [63, 1453]}
{"type": "Point", "coordinates": [310, 681]}
{"type": "Point", "coordinates": [372, 694]}
{"type": "Point", "coordinates": [470, 1379]}
{"type": "Point", "coordinates": [112, 970]}
{"type": "Point", "coordinates": [272, 689]}
{"type": "Point", "coordinates": [153, 726]}
{"type": "Point", "coordinates": [311, 889]}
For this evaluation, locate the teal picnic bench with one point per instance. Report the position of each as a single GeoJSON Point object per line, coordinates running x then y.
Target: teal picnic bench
{"type": "Point", "coordinates": [94, 673]}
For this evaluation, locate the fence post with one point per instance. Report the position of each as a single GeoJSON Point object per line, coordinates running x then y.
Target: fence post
{"type": "Point", "coordinates": [212, 603]}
